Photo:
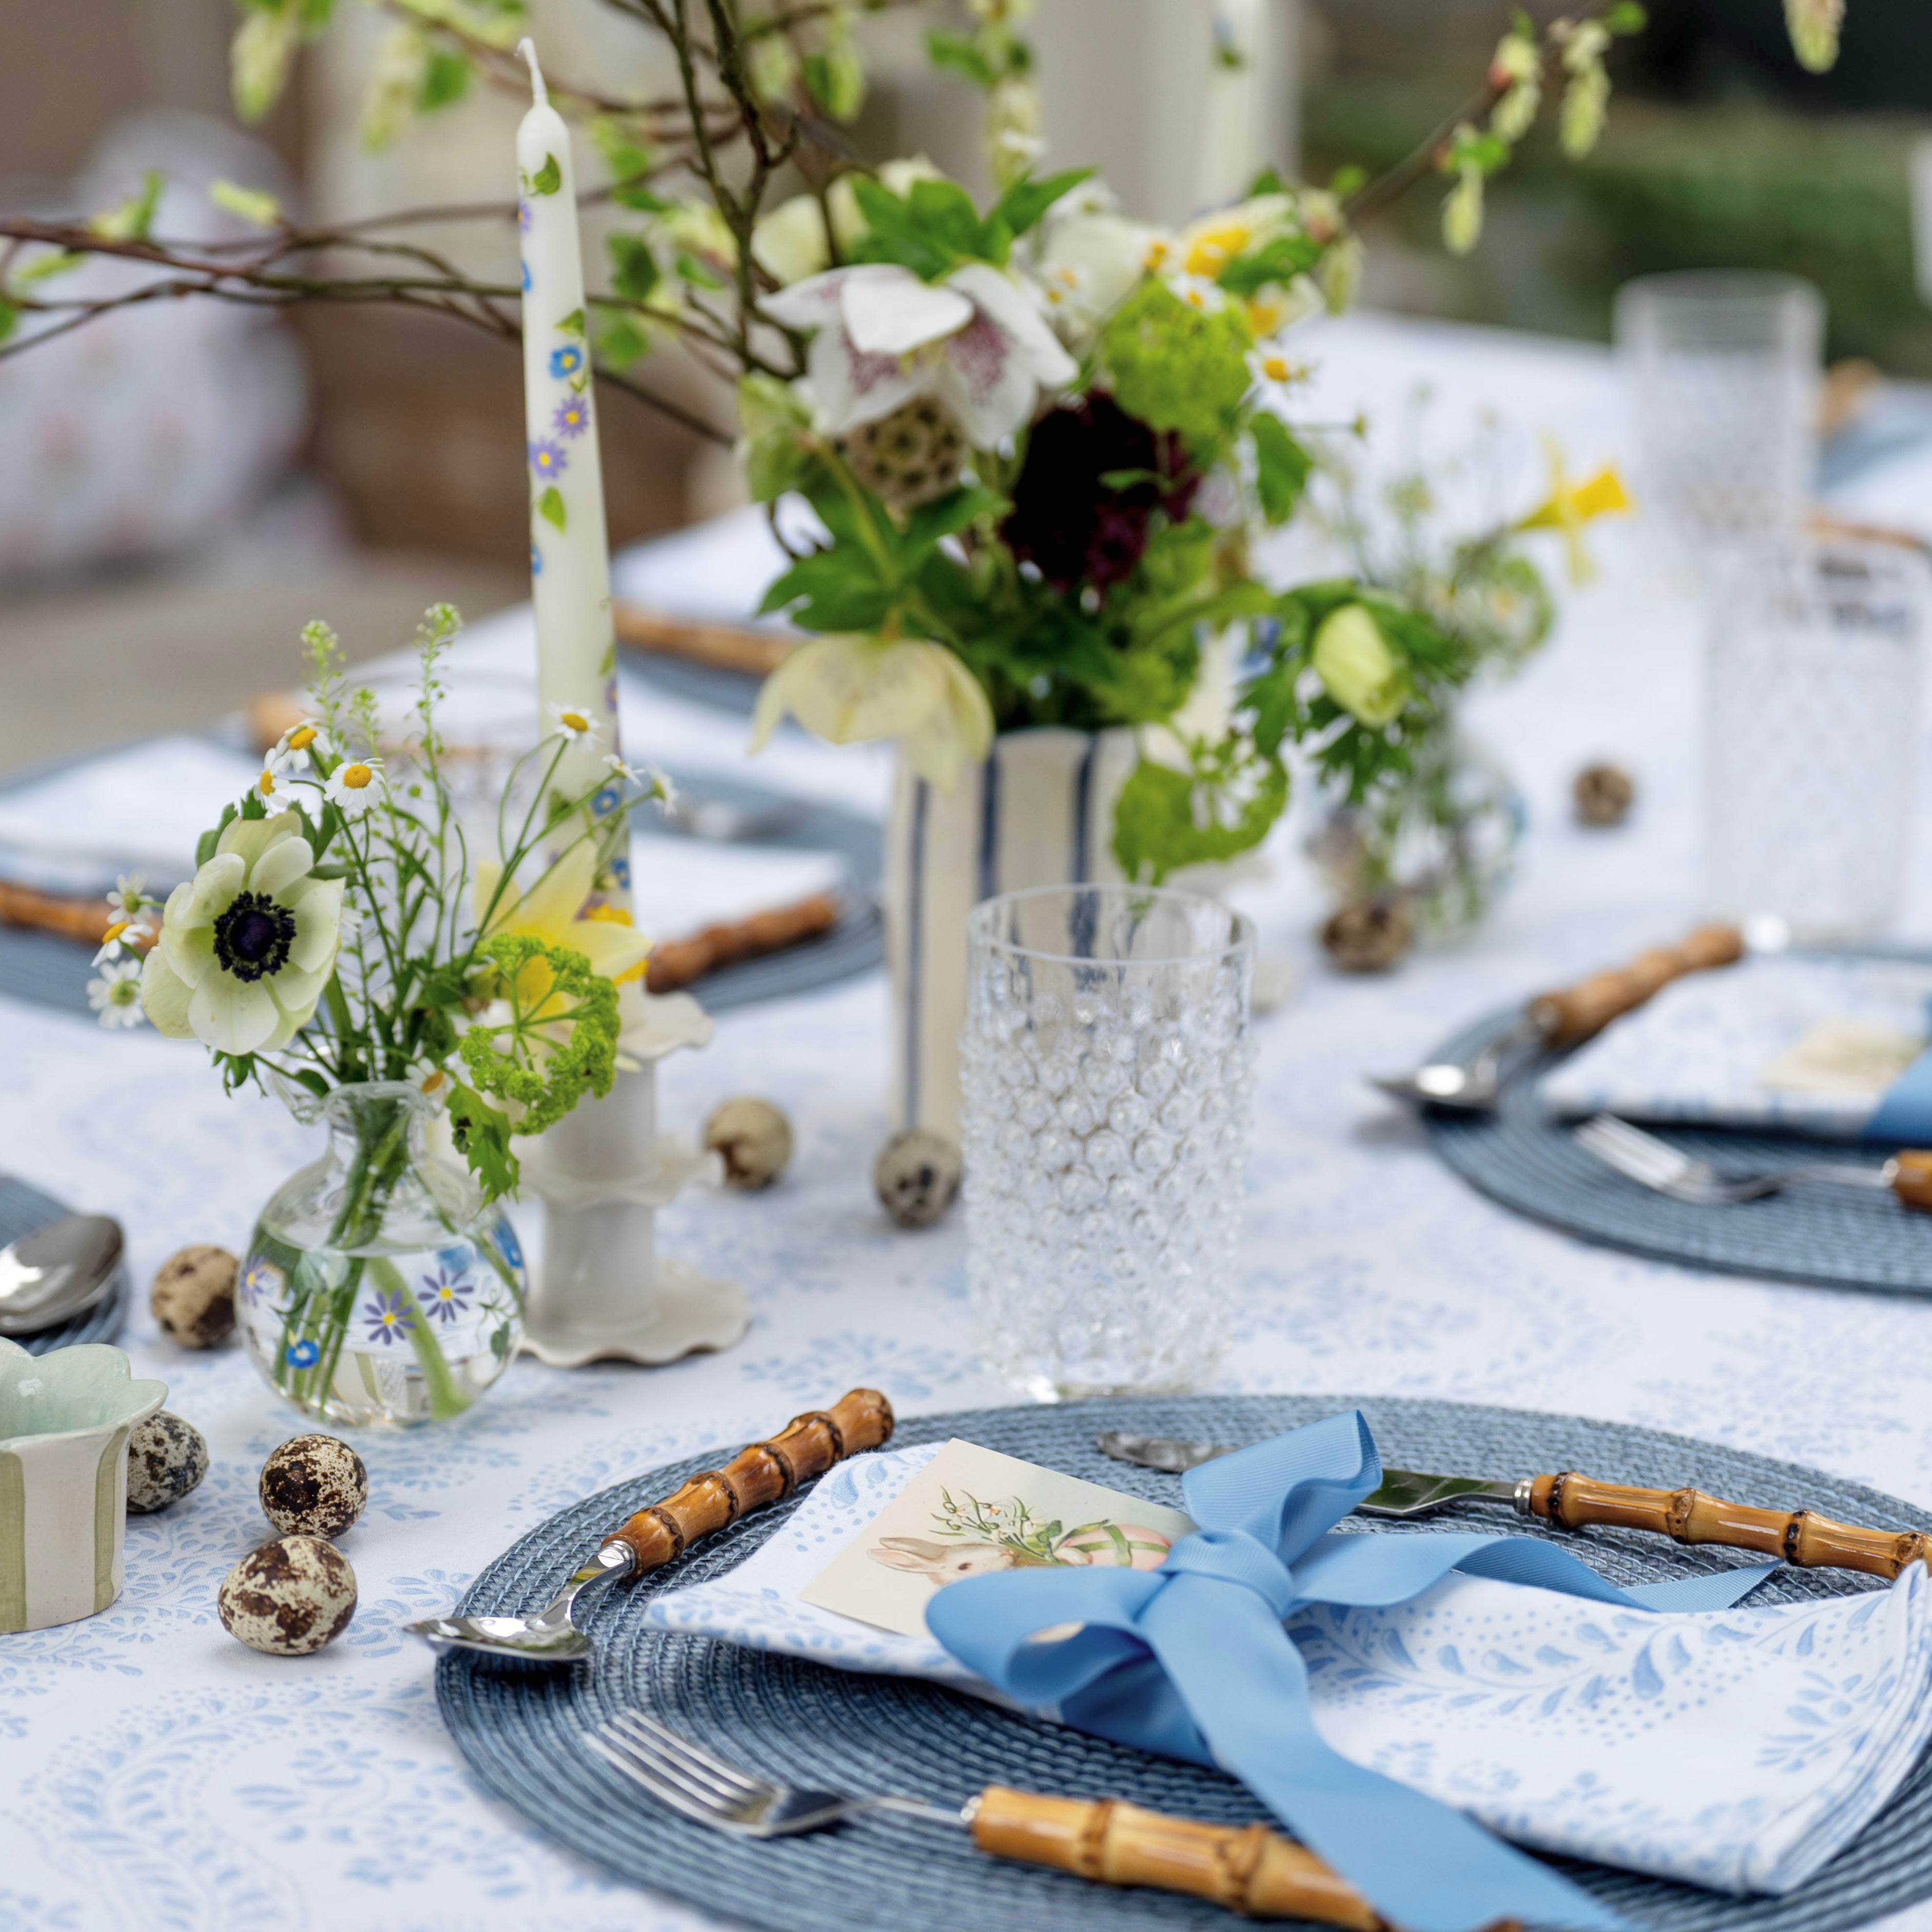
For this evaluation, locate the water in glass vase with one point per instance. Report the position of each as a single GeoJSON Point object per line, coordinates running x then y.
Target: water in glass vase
{"type": "Point", "coordinates": [379, 1289]}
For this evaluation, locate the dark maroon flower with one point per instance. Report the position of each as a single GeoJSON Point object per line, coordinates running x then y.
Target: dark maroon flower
{"type": "Point", "coordinates": [1070, 522]}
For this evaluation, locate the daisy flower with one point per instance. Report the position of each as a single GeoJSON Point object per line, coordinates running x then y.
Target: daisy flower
{"type": "Point", "coordinates": [623, 773]}
{"type": "Point", "coordinates": [127, 901]}
{"type": "Point", "coordinates": [118, 939]}
{"type": "Point", "coordinates": [1274, 373]}
{"type": "Point", "coordinates": [116, 994]}
{"type": "Point", "coordinates": [355, 785]}
{"type": "Point", "coordinates": [273, 787]}
{"type": "Point", "coordinates": [297, 745]}
{"type": "Point", "coordinates": [572, 721]}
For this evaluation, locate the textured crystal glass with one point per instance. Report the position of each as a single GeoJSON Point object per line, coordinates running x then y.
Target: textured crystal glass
{"type": "Point", "coordinates": [1811, 735]}
{"type": "Point", "coordinates": [1107, 1067]}
{"type": "Point", "coordinates": [1722, 372]}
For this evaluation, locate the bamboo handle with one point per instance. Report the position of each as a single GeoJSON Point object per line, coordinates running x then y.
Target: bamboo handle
{"type": "Point", "coordinates": [1689, 1515]}
{"type": "Point", "coordinates": [677, 962]}
{"type": "Point", "coordinates": [1912, 1178]}
{"type": "Point", "coordinates": [1247, 1868]}
{"type": "Point", "coordinates": [1573, 1013]}
{"type": "Point", "coordinates": [809, 1445]}
{"type": "Point", "coordinates": [86, 920]}
{"type": "Point", "coordinates": [729, 646]}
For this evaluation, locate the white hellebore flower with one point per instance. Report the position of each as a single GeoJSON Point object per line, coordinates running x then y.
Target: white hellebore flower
{"type": "Point", "coordinates": [974, 343]}
{"type": "Point", "coordinates": [1089, 262]}
{"type": "Point", "coordinates": [853, 690]}
{"type": "Point", "coordinates": [355, 785]}
{"type": "Point", "coordinates": [790, 243]}
{"type": "Point", "coordinates": [247, 945]}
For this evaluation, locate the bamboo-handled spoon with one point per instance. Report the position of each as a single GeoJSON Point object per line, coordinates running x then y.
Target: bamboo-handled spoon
{"type": "Point", "coordinates": [807, 1446]}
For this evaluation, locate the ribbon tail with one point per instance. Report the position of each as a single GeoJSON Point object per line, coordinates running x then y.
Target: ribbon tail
{"type": "Point", "coordinates": [1423, 1866]}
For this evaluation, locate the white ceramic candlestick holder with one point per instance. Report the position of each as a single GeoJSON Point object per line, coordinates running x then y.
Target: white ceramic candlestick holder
{"type": "Point", "coordinates": [602, 1290]}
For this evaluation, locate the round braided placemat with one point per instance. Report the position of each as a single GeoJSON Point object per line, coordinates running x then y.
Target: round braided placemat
{"type": "Point", "coordinates": [1829, 1236]}
{"type": "Point", "coordinates": [519, 1725]}
{"type": "Point", "coordinates": [22, 1209]}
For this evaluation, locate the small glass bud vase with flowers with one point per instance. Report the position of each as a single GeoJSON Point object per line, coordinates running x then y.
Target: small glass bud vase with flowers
{"type": "Point", "coordinates": [339, 945]}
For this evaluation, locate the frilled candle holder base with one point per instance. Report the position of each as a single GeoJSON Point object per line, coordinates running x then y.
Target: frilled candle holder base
{"type": "Point", "coordinates": [603, 1291]}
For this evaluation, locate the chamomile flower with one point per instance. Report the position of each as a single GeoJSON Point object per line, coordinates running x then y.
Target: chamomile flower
{"type": "Point", "coordinates": [115, 995]}
{"type": "Point", "coordinates": [572, 722]}
{"type": "Point", "coordinates": [1274, 373]}
{"type": "Point", "coordinates": [297, 745]}
{"type": "Point", "coordinates": [119, 939]}
{"type": "Point", "coordinates": [355, 785]}
{"type": "Point", "coordinates": [128, 901]}
{"type": "Point", "coordinates": [278, 793]}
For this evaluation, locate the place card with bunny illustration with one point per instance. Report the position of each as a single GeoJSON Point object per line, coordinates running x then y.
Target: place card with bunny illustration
{"type": "Point", "coordinates": [971, 1511]}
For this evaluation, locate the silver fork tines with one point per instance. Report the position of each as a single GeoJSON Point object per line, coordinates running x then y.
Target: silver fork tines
{"type": "Point", "coordinates": [1657, 1165]}
{"type": "Point", "coordinates": [706, 1790]}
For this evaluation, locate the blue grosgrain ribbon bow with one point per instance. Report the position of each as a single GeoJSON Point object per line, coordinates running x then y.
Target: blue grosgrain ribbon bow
{"type": "Point", "coordinates": [1192, 1660]}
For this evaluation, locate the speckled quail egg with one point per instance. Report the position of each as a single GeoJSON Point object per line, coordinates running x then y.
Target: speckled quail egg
{"type": "Point", "coordinates": [917, 1175]}
{"type": "Point", "coordinates": [193, 1297]}
{"type": "Point", "coordinates": [754, 1138]}
{"type": "Point", "coordinates": [313, 1485]}
{"type": "Point", "coordinates": [166, 1458]}
{"type": "Point", "coordinates": [289, 1597]}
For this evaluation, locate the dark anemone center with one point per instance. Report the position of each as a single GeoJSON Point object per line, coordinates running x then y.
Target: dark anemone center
{"type": "Point", "coordinates": [253, 937]}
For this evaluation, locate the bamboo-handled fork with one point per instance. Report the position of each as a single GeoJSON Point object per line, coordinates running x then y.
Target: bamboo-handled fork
{"type": "Point", "coordinates": [1247, 1868]}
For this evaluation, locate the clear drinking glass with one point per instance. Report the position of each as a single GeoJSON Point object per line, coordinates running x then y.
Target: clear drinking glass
{"type": "Point", "coordinates": [1811, 719]}
{"type": "Point", "coordinates": [1722, 371]}
{"type": "Point", "coordinates": [1107, 1067]}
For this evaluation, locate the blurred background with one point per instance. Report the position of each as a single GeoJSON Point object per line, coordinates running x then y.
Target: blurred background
{"type": "Point", "coordinates": [191, 482]}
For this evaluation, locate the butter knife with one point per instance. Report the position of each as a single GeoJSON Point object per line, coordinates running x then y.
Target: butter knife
{"type": "Point", "coordinates": [1801, 1537]}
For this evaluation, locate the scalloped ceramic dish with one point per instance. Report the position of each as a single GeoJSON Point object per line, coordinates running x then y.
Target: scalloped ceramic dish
{"type": "Point", "coordinates": [64, 1420]}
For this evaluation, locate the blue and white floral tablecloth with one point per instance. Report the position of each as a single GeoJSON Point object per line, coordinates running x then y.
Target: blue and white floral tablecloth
{"type": "Point", "coordinates": [155, 1774]}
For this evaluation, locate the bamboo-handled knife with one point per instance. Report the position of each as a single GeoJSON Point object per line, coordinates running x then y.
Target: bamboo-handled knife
{"type": "Point", "coordinates": [1800, 1537]}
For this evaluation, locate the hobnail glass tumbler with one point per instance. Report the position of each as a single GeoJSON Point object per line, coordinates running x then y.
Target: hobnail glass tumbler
{"type": "Point", "coordinates": [1811, 721]}
{"type": "Point", "coordinates": [1723, 371]}
{"type": "Point", "coordinates": [1107, 1067]}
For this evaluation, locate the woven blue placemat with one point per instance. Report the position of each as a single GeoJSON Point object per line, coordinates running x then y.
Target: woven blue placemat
{"type": "Point", "coordinates": [519, 1725]}
{"type": "Point", "coordinates": [22, 1209]}
{"type": "Point", "coordinates": [1829, 1236]}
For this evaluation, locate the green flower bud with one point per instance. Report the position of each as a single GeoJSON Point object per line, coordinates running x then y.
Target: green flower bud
{"type": "Point", "coordinates": [1356, 666]}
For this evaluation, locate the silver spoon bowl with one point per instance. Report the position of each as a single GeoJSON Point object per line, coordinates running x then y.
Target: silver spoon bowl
{"type": "Point", "coordinates": [546, 1635]}
{"type": "Point", "coordinates": [58, 1272]}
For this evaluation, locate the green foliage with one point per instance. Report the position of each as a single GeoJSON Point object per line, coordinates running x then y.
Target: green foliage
{"type": "Point", "coordinates": [482, 1133]}
{"type": "Point", "coordinates": [954, 53]}
{"type": "Point", "coordinates": [1282, 466]}
{"type": "Point", "coordinates": [933, 226]}
{"type": "Point", "coordinates": [550, 506]}
{"type": "Point", "coordinates": [776, 447]}
{"type": "Point", "coordinates": [1166, 818]}
{"type": "Point", "coordinates": [836, 76]}
{"type": "Point", "coordinates": [447, 74]}
{"type": "Point", "coordinates": [1178, 367]}
{"type": "Point", "coordinates": [9, 317]}
{"type": "Point", "coordinates": [1280, 259]}
{"type": "Point", "coordinates": [548, 178]}
{"type": "Point", "coordinates": [634, 272]}
{"type": "Point", "coordinates": [134, 220]}
{"type": "Point", "coordinates": [628, 161]}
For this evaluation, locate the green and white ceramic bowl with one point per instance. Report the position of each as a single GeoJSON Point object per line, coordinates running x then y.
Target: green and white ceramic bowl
{"type": "Point", "coordinates": [64, 1420]}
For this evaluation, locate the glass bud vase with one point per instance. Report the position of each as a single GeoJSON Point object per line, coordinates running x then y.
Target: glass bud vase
{"type": "Point", "coordinates": [379, 1290]}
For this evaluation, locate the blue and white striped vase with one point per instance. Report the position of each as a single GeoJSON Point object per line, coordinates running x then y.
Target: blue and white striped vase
{"type": "Point", "coordinates": [1039, 811]}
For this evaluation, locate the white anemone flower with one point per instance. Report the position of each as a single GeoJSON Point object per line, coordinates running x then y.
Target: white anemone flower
{"type": "Point", "coordinates": [974, 342]}
{"type": "Point", "coordinates": [247, 944]}
{"type": "Point", "coordinates": [115, 995]}
{"type": "Point", "coordinates": [852, 690]}
{"type": "Point", "coordinates": [355, 785]}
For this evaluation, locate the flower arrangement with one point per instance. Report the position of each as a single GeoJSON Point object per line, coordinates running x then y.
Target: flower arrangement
{"type": "Point", "coordinates": [338, 931]}
{"type": "Point", "coordinates": [1439, 837]}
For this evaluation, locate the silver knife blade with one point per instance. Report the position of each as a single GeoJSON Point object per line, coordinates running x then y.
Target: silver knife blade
{"type": "Point", "coordinates": [1402, 1493]}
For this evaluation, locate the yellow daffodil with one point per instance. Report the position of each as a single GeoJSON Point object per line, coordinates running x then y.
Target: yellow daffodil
{"type": "Point", "coordinates": [1569, 507]}
{"type": "Point", "coordinates": [552, 910]}
{"type": "Point", "coordinates": [852, 690]}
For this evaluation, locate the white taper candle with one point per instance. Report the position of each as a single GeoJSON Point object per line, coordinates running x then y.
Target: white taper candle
{"type": "Point", "coordinates": [570, 561]}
